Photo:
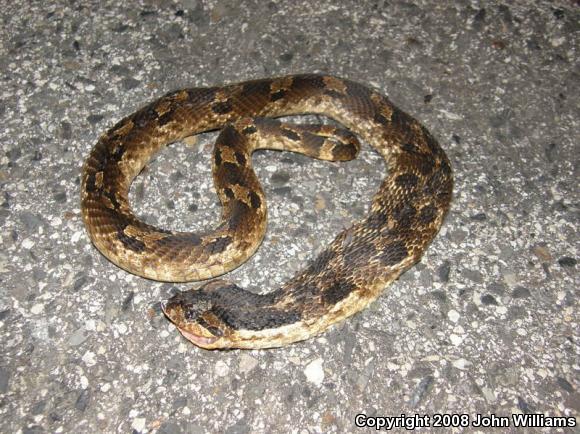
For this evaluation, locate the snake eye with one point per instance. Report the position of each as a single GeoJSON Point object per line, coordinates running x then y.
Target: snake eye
{"type": "Point", "coordinates": [191, 303]}
{"type": "Point", "coordinates": [214, 330]}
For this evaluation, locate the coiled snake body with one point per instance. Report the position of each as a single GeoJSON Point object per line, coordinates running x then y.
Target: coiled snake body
{"type": "Point", "coordinates": [351, 272]}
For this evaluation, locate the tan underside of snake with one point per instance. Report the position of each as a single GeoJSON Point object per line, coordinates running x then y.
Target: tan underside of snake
{"type": "Point", "coordinates": [405, 215]}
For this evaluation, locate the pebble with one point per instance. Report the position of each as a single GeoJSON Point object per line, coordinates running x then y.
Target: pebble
{"type": "Point", "coordinates": [320, 203]}
{"type": "Point", "coordinates": [121, 328]}
{"type": "Point", "coordinates": [421, 390]}
{"type": "Point", "coordinates": [37, 308]}
{"type": "Point", "coordinates": [567, 261]}
{"type": "Point", "coordinates": [78, 337]}
{"type": "Point", "coordinates": [76, 236]}
{"type": "Point", "coordinates": [455, 340]}
{"type": "Point", "coordinates": [83, 399]}
{"type": "Point", "coordinates": [488, 394]}
{"type": "Point", "coordinates": [280, 178]}
{"type": "Point", "coordinates": [314, 372]}
{"type": "Point", "coordinates": [221, 369]}
{"type": "Point", "coordinates": [510, 278]}
{"type": "Point", "coordinates": [444, 271]}
{"type": "Point", "coordinates": [453, 315]}
{"type": "Point", "coordinates": [489, 299]}
{"type": "Point", "coordinates": [247, 363]}
{"type": "Point", "coordinates": [521, 292]}
{"type": "Point", "coordinates": [31, 221]}
{"type": "Point", "coordinates": [28, 243]}
{"type": "Point", "coordinates": [89, 358]}
{"type": "Point", "coordinates": [84, 381]}
{"type": "Point", "coordinates": [460, 363]}
{"type": "Point", "coordinates": [473, 275]}
{"type": "Point", "coordinates": [138, 424]}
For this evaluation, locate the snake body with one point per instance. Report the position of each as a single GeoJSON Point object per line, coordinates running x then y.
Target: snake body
{"type": "Point", "coordinates": [405, 214]}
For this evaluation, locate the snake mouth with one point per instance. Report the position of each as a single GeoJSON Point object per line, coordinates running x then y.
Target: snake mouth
{"type": "Point", "coordinates": [200, 341]}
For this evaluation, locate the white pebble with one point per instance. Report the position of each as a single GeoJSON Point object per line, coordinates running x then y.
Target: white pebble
{"type": "Point", "coordinates": [221, 369]}
{"type": "Point", "coordinates": [556, 42]}
{"type": "Point", "coordinates": [76, 236]}
{"type": "Point", "coordinates": [84, 382]}
{"type": "Point", "coordinates": [37, 308]}
{"type": "Point", "coordinates": [138, 424]}
{"type": "Point", "coordinates": [461, 363]}
{"type": "Point", "coordinates": [90, 325]}
{"type": "Point", "coordinates": [455, 340]}
{"type": "Point", "coordinates": [27, 243]}
{"type": "Point", "coordinates": [314, 372]}
{"type": "Point", "coordinates": [89, 358]}
{"type": "Point", "coordinates": [247, 363]}
{"type": "Point", "coordinates": [453, 315]}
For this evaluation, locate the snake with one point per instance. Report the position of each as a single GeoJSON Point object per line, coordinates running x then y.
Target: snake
{"type": "Point", "coordinates": [404, 216]}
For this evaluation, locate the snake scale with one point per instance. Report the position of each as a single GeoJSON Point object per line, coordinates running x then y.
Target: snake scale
{"type": "Point", "coordinates": [404, 216]}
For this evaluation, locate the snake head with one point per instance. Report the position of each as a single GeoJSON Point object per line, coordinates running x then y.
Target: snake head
{"type": "Point", "coordinates": [191, 312]}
